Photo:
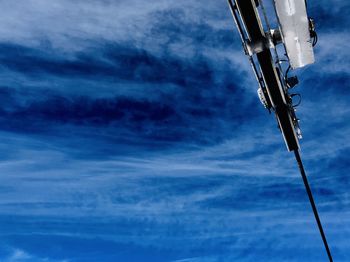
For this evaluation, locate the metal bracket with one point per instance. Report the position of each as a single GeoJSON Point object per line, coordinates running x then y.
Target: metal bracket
{"type": "Point", "coordinates": [256, 47]}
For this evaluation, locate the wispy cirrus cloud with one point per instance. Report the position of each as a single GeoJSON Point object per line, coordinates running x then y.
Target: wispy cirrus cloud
{"type": "Point", "coordinates": [132, 131]}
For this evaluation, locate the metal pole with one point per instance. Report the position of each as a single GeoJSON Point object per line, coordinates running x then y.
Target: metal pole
{"type": "Point", "coordinates": [312, 202]}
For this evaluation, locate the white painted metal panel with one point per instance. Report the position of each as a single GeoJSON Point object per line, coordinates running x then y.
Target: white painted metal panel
{"type": "Point", "coordinates": [294, 25]}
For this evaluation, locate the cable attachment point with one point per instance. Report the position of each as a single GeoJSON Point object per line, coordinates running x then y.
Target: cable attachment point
{"type": "Point", "coordinates": [292, 81]}
{"type": "Point", "coordinates": [312, 30]}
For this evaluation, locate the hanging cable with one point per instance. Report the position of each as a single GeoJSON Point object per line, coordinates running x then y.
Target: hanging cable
{"type": "Point", "coordinates": [315, 38]}
{"type": "Point", "coordinates": [312, 202]}
{"type": "Point", "coordinates": [313, 33]}
{"type": "Point", "coordinates": [286, 73]}
{"type": "Point", "coordinates": [299, 96]}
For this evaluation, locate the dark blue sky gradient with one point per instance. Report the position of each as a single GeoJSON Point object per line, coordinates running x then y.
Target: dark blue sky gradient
{"type": "Point", "coordinates": [131, 131]}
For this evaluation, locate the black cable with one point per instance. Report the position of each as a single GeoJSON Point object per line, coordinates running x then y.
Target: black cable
{"type": "Point", "coordinates": [312, 202]}
{"type": "Point", "coordinates": [313, 33]}
{"type": "Point", "coordinates": [298, 95]}
{"type": "Point", "coordinates": [286, 73]}
{"type": "Point", "coordinates": [314, 40]}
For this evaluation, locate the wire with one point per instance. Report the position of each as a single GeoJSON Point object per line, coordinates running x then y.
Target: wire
{"type": "Point", "coordinates": [298, 95]}
{"type": "Point", "coordinates": [315, 39]}
{"type": "Point", "coordinates": [313, 33]}
{"type": "Point", "coordinates": [312, 202]}
{"type": "Point", "coordinates": [286, 73]}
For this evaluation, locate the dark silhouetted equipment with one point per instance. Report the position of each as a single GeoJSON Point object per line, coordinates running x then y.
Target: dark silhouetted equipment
{"type": "Point", "coordinates": [295, 35]}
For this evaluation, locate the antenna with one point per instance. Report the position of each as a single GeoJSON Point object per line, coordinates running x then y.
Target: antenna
{"type": "Point", "coordinates": [294, 26]}
{"type": "Point", "coordinates": [297, 34]}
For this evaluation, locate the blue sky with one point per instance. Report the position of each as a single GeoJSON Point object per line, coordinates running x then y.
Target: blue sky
{"type": "Point", "coordinates": [131, 131]}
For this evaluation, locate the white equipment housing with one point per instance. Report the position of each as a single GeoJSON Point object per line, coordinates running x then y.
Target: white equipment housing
{"type": "Point", "coordinates": [294, 25]}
